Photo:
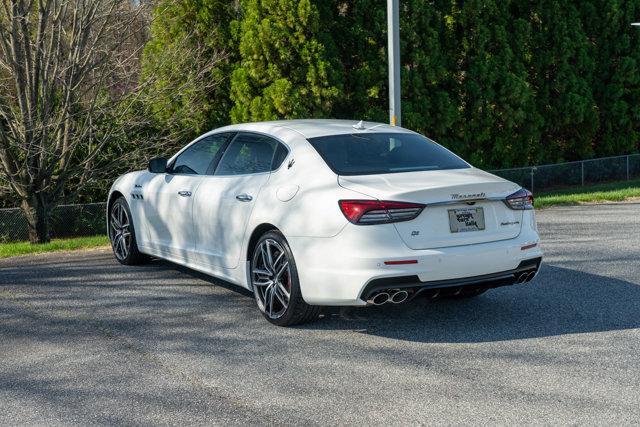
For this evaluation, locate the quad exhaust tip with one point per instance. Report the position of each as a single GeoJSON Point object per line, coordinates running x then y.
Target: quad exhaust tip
{"type": "Point", "coordinates": [395, 296]}
{"type": "Point", "coordinates": [525, 277]}
{"type": "Point", "coordinates": [399, 297]}
{"type": "Point", "coordinates": [379, 298]}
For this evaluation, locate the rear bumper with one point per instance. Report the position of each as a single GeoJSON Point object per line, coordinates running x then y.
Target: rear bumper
{"type": "Point", "coordinates": [340, 270]}
{"type": "Point", "coordinates": [525, 272]}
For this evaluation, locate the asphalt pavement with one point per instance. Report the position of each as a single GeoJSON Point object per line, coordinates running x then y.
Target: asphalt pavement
{"type": "Point", "coordinates": [85, 341]}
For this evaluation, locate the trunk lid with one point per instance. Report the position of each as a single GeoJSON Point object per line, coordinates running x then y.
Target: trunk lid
{"type": "Point", "coordinates": [444, 191]}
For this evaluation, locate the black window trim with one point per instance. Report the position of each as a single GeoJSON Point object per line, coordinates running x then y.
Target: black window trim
{"type": "Point", "coordinates": [274, 155]}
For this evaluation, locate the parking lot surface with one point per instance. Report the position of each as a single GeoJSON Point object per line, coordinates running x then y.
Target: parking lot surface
{"type": "Point", "coordinates": [84, 340]}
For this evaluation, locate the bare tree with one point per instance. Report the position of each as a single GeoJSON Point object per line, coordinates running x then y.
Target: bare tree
{"type": "Point", "coordinates": [65, 67]}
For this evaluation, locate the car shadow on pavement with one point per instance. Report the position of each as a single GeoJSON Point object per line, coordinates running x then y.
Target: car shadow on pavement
{"type": "Point", "coordinates": [559, 301]}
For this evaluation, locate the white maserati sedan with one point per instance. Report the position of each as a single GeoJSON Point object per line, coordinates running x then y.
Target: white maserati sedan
{"type": "Point", "coordinates": [310, 213]}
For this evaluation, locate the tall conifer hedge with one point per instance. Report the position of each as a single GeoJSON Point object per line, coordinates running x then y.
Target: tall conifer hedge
{"type": "Point", "coordinates": [502, 82]}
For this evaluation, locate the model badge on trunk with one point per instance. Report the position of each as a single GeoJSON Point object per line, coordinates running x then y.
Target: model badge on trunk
{"type": "Point", "coordinates": [458, 196]}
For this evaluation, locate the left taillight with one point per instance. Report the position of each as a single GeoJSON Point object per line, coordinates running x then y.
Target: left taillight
{"type": "Point", "coordinates": [520, 200]}
{"type": "Point", "coordinates": [368, 212]}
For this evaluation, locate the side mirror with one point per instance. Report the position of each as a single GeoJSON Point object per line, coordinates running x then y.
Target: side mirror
{"type": "Point", "coordinates": [158, 165]}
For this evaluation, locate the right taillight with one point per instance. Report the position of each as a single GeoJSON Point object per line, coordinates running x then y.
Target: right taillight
{"type": "Point", "coordinates": [520, 200]}
{"type": "Point", "coordinates": [368, 212]}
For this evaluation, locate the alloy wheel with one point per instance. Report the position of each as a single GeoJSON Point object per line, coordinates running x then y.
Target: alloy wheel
{"type": "Point", "coordinates": [120, 231]}
{"type": "Point", "coordinates": [271, 278]}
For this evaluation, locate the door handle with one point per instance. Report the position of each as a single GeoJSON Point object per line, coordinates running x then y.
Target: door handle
{"type": "Point", "coordinates": [244, 197]}
{"type": "Point", "coordinates": [185, 193]}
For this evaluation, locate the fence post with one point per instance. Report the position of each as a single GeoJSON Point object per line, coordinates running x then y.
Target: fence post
{"type": "Point", "coordinates": [582, 173]}
{"type": "Point", "coordinates": [532, 169]}
{"type": "Point", "coordinates": [627, 167]}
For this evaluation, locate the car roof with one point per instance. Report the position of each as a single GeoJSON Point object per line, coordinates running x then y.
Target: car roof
{"type": "Point", "coordinates": [312, 128]}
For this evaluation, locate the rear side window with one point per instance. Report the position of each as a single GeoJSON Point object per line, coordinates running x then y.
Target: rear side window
{"type": "Point", "coordinates": [248, 154]}
{"type": "Point", "coordinates": [380, 153]}
{"type": "Point", "coordinates": [281, 154]}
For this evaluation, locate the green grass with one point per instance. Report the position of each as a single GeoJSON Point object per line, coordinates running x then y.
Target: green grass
{"type": "Point", "coordinates": [25, 248]}
{"type": "Point", "coordinates": [611, 192]}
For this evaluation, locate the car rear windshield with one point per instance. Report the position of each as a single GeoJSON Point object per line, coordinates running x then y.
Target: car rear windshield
{"type": "Point", "coordinates": [379, 153]}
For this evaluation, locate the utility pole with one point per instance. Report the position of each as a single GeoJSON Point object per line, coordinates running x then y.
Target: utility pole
{"type": "Point", "coordinates": [393, 34]}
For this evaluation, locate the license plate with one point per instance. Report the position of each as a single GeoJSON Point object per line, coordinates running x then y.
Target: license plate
{"type": "Point", "coordinates": [467, 219]}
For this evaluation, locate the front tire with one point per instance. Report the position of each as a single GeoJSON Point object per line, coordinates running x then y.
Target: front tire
{"type": "Point", "coordinates": [123, 235]}
{"type": "Point", "coordinates": [275, 282]}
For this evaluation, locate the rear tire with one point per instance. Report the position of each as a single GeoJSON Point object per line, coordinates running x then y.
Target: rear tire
{"type": "Point", "coordinates": [123, 235]}
{"type": "Point", "coordinates": [275, 282]}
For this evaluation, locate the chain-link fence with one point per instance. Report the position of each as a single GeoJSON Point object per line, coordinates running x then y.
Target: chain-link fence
{"type": "Point", "coordinates": [574, 174]}
{"type": "Point", "coordinates": [66, 221]}
{"type": "Point", "coordinates": [89, 219]}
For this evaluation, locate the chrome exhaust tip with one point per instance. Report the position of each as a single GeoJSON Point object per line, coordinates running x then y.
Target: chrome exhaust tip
{"type": "Point", "coordinates": [379, 299]}
{"type": "Point", "coordinates": [399, 297]}
{"type": "Point", "coordinates": [525, 277]}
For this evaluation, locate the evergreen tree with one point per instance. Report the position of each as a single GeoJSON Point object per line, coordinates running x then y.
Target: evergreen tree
{"type": "Point", "coordinates": [503, 83]}
{"type": "Point", "coordinates": [284, 69]}
{"type": "Point", "coordinates": [358, 29]}
{"type": "Point", "coordinates": [187, 62]}
{"type": "Point", "coordinates": [430, 102]}
{"type": "Point", "coordinates": [615, 49]}
{"type": "Point", "coordinates": [500, 123]}
{"type": "Point", "coordinates": [561, 70]}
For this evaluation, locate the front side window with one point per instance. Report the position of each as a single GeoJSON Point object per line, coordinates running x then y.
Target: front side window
{"type": "Point", "coordinates": [380, 153]}
{"type": "Point", "coordinates": [199, 158]}
{"type": "Point", "coordinates": [248, 154]}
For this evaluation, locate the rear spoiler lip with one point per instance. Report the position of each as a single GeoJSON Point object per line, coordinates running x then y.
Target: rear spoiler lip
{"type": "Point", "coordinates": [468, 201]}
{"type": "Point", "coordinates": [495, 196]}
